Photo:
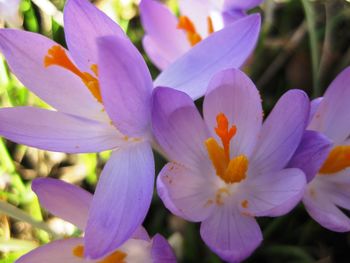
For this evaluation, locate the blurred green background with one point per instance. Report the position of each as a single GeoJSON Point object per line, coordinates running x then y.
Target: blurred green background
{"type": "Point", "coordinates": [303, 44]}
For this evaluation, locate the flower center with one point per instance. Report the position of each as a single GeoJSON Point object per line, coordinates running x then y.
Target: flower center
{"type": "Point", "coordinates": [231, 170]}
{"type": "Point", "coordinates": [57, 56]}
{"type": "Point", "coordinates": [192, 35]}
{"type": "Point", "coordinates": [337, 160]}
{"type": "Point", "coordinates": [115, 257]}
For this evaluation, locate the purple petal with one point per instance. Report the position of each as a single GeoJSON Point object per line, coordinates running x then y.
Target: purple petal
{"type": "Point", "coordinates": [315, 103]}
{"type": "Point", "coordinates": [333, 114]}
{"type": "Point", "coordinates": [161, 250]}
{"type": "Point", "coordinates": [311, 153]}
{"type": "Point", "coordinates": [241, 4]}
{"type": "Point", "coordinates": [187, 192]}
{"type": "Point", "coordinates": [141, 233]}
{"type": "Point", "coordinates": [55, 252]}
{"type": "Point", "coordinates": [281, 133]}
{"type": "Point", "coordinates": [161, 27]}
{"type": "Point", "coordinates": [230, 234]}
{"type": "Point", "coordinates": [228, 48]}
{"type": "Point", "coordinates": [273, 194]}
{"type": "Point", "coordinates": [83, 24]}
{"type": "Point", "coordinates": [121, 201]}
{"type": "Point", "coordinates": [56, 131]}
{"type": "Point", "coordinates": [126, 85]}
{"type": "Point", "coordinates": [231, 92]}
{"type": "Point", "coordinates": [179, 128]}
{"type": "Point", "coordinates": [57, 86]}
{"type": "Point", "coordinates": [63, 200]}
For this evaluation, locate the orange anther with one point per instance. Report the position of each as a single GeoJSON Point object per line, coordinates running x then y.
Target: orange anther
{"type": "Point", "coordinates": [187, 25]}
{"type": "Point", "coordinates": [338, 160]}
{"type": "Point", "coordinates": [224, 133]}
{"type": "Point", "coordinates": [210, 25]}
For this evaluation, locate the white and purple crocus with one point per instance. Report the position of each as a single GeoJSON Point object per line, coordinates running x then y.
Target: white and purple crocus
{"type": "Point", "coordinates": [324, 155]}
{"type": "Point", "coordinates": [230, 167]}
{"type": "Point", "coordinates": [72, 204]}
{"type": "Point", "coordinates": [100, 91]}
{"type": "Point", "coordinates": [168, 37]}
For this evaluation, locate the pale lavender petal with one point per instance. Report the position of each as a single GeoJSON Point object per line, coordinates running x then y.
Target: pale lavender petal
{"type": "Point", "coordinates": [25, 53]}
{"type": "Point", "coordinates": [315, 103]}
{"type": "Point", "coordinates": [230, 234]}
{"type": "Point", "coordinates": [228, 48]}
{"type": "Point", "coordinates": [83, 24]}
{"type": "Point", "coordinates": [241, 4]}
{"type": "Point", "coordinates": [141, 233]}
{"type": "Point", "coordinates": [179, 128]}
{"type": "Point", "coordinates": [311, 153]}
{"type": "Point", "coordinates": [281, 133]}
{"type": "Point", "coordinates": [188, 191]}
{"type": "Point", "coordinates": [161, 251]}
{"type": "Point", "coordinates": [56, 131]}
{"type": "Point", "coordinates": [121, 201]}
{"type": "Point", "coordinates": [63, 200]}
{"type": "Point", "coordinates": [333, 114]}
{"type": "Point", "coordinates": [231, 92]}
{"type": "Point", "coordinates": [126, 85]}
{"type": "Point", "coordinates": [163, 42]}
{"type": "Point", "coordinates": [273, 194]}
{"type": "Point", "coordinates": [55, 252]}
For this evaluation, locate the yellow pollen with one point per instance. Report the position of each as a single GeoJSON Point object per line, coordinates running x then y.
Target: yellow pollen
{"type": "Point", "coordinates": [210, 25]}
{"type": "Point", "coordinates": [115, 257]}
{"type": "Point", "coordinates": [187, 25]}
{"type": "Point", "coordinates": [57, 56]}
{"type": "Point", "coordinates": [337, 160]}
{"type": "Point", "coordinates": [245, 203]}
{"type": "Point", "coordinates": [230, 170]}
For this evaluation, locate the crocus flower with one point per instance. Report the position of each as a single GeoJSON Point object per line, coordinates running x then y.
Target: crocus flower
{"type": "Point", "coordinates": [9, 12]}
{"type": "Point", "coordinates": [229, 168]}
{"type": "Point", "coordinates": [101, 92]}
{"type": "Point", "coordinates": [72, 204]}
{"type": "Point", "coordinates": [168, 37]}
{"type": "Point", "coordinates": [324, 155]}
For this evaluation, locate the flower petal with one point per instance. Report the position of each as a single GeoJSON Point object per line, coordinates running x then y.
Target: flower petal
{"type": "Point", "coordinates": [333, 114]}
{"type": "Point", "coordinates": [56, 131]}
{"type": "Point", "coordinates": [311, 153]}
{"type": "Point", "coordinates": [241, 4]}
{"type": "Point", "coordinates": [186, 190]}
{"type": "Point", "coordinates": [179, 128]}
{"type": "Point", "coordinates": [126, 85]}
{"type": "Point", "coordinates": [231, 92]}
{"type": "Point", "coordinates": [315, 103]}
{"type": "Point", "coordinates": [161, 250]}
{"type": "Point", "coordinates": [121, 201]}
{"type": "Point", "coordinates": [273, 194]}
{"type": "Point", "coordinates": [161, 27]}
{"type": "Point", "coordinates": [83, 24]}
{"type": "Point", "coordinates": [25, 52]}
{"type": "Point", "coordinates": [281, 133]}
{"type": "Point", "coordinates": [55, 252]}
{"type": "Point", "coordinates": [230, 234]}
{"type": "Point", "coordinates": [228, 48]}
{"type": "Point", "coordinates": [64, 200]}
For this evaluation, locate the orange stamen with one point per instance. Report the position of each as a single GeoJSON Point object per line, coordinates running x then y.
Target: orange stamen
{"type": "Point", "coordinates": [210, 25]}
{"type": "Point", "coordinates": [187, 25]}
{"type": "Point", "coordinates": [224, 133]}
{"type": "Point", "coordinates": [56, 56]}
{"type": "Point", "coordinates": [338, 160]}
{"type": "Point", "coordinates": [115, 257]}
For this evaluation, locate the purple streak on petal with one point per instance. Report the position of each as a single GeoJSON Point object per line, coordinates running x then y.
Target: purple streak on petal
{"type": "Point", "coordinates": [273, 194]}
{"type": "Point", "coordinates": [179, 128]}
{"type": "Point", "coordinates": [121, 201]}
{"type": "Point", "coordinates": [126, 85]}
{"type": "Point", "coordinates": [281, 133]}
{"type": "Point", "coordinates": [311, 153]}
{"type": "Point", "coordinates": [56, 131]}
{"type": "Point", "coordinates": [55, 252]}
{"type": "Point", "coordinates": [231, 92]}
{"type": "Point", "coordinates": [186, 190]}
{"type": "Point", "coordinates": [83, 24]}
{"type": "Point", "coordinates": [230, 234]}
{"type": "Point", "coordinates": [315, 103]}
{"type": "Point", "coordinates": [161, 251]}
{"type": "Point", "coordinates": [63, 200]}
{"type": "Point", "coordinates": [333, 114]}
{"type": "Point", "coordinates": [163, 41]}
{"type": "Point", "coordinates": [228, 48]}
{"type": "Point", "coordinates": [25, 52]}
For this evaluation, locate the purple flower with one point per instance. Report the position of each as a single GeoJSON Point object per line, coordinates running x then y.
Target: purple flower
{"type": "Point", "coordinates": [72, 204]}
{"type": "Point", "coordinates": [229, 167]}
{"type": "Point", "coordinates": [168, 37]}
{"type": "Point", "coordinates": [324, 155]}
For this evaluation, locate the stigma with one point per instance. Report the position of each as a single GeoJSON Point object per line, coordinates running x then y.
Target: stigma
{"type": "Point", "coordinates": [337, 160]}
{"type": "Point", "coordinates": [115, 257]}
{"type": "Point", "coordinates": [230, 170]}
{"type": "Point", "coordinates": [56, 56]}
